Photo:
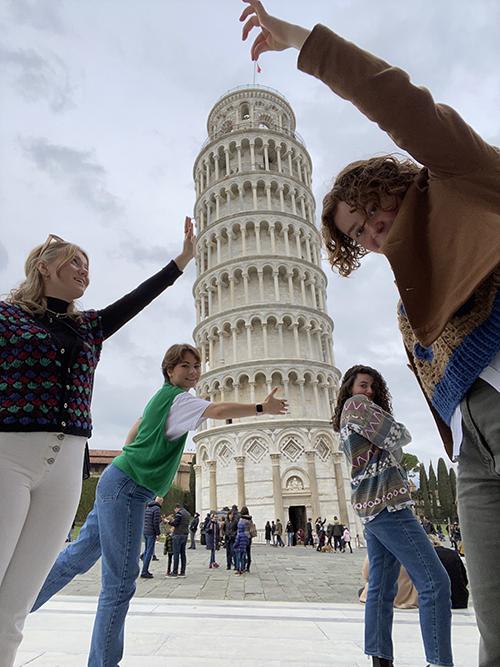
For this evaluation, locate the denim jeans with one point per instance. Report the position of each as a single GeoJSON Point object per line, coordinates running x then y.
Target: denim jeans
{"type": "Point", "coordinates": [478, 491]}
{"type": "Point", "coordinates": [212, 555]}
{"type": "Point", "coordinates": [240, 556]}
{"type": "Point", "coordinates": [119, 505]}
{"type": "Point", "coordinates": [179, 547]}
{"type": "Point", "coordinates": [395, 538]}
{"type": "Point", "coordinates": [290, 539]}
{"type": "Point", "coordinates": [77, 558]}
{"type": "Point", "coordinates": [149, 549]}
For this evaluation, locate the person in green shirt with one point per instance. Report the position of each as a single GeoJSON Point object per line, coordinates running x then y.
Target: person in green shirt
{"type": "Point", "coordinates": [145, 469]}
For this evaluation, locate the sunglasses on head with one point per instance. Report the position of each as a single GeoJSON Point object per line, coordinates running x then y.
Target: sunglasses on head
{"type": "Point", "coordinates": [51, 238]}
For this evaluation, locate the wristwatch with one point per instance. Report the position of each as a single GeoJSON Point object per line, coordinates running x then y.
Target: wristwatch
{"type": "Point", "coordinates": [259, 408]}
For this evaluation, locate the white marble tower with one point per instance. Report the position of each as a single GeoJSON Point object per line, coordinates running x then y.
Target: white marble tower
{"type": "Point", "coordinates": [260, 298]}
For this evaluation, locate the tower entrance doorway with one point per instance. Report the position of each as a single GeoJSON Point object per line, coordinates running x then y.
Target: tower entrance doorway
{"type": "Point", "coordinates": [297, 516]}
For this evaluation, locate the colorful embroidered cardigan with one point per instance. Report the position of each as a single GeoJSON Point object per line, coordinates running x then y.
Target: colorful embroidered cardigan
{"type": "Point", "coordinates": [372, 440]}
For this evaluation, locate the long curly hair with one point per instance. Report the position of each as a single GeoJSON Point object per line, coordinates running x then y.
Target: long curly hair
{"type": "Point", "coordinates": [30, 294]}
{"type": "Point", "coordinates": [381, 397]}
{"type": "Point", "coordinates": [360, 185]}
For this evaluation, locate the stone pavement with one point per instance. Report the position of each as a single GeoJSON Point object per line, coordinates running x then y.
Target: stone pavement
{"type": "Point", "coordinates": [297, 608]}
{"type": "Point", "coordinates": [187, 633]}
{"type": "Point", "coordinates": [297, 574]}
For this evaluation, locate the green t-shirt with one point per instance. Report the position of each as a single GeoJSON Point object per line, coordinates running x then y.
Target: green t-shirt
{"type": "Point", "coordinates": [151, 459]}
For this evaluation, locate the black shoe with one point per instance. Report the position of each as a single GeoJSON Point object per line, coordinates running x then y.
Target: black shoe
{"type": "Point", "coordinates": [146, 575]}
{"type": "Point", "coordinates": [381, 662]}
{"type": "Point", "coordinates": [172, 574]}
{"type": "Point", "coordinates": [141, 556]}
{"type": "Point", "coordinates": [155, 558]}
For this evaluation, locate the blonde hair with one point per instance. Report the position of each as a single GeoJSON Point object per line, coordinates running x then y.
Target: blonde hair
{"type": "Point", "coordinates": [30, 295]}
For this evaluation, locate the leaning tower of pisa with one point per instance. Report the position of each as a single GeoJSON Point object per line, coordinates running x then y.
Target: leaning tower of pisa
{"type": "Point", "coordinates": [260, 298]}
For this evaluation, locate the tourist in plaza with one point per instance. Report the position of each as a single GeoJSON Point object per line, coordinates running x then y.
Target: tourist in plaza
{"type": "Point", "coordinates": [251, 531]}
{"type": "Point", "coordinates": [337, 532]}
{"type": "Point", "coordinates": [241, 545]}
{"type": "Point", "coordinates": [346, 539]}
{"type": "Point", "coordinates": [309, 534]}
{"type": "Point", "coordinates": [193, 527]}
{"type": "Point", "coordinates": [168, 547]}
{"type": "Point", "coordinates": [329, 534]}
{"type": "Point", "coordinates": [457, 573]}
{"type": "Point", "coordinates": [267, 533]}
{"type": "Point", "coordinates": [212, 536]}
{"type": "Point", "coordinates": [290, 533]}
{"type": "Point", "coordinates": [152, 520]}
{"type": "Point", "coordinates": [372, 442]}
{"type": "Point", "coordinates": [279, 534]}
{"type": "Point", "coordinates": [180, 528]}
{"type": "Point", "coordinates": [230, 530]}
{"type": "Point", "coordinates": [45, 411]}
{"type": "Point", "coordinates": [145, 468]}
{"type": "Point", "coordinates": [273, 533]}
{"type": "Point", "coordinates": [449, 313]}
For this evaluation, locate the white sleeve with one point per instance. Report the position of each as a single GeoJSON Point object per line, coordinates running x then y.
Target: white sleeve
{"type": "Point", "coordinates": [186, 414]}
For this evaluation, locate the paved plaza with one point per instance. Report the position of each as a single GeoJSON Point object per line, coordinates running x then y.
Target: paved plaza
{"type": "Point", "coordinates": [297, 607]}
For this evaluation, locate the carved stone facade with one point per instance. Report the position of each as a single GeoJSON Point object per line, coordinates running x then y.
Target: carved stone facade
{"type": "Point", "coordinates": [262, 322]}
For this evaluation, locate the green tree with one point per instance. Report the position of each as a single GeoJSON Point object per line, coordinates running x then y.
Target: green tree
{"type": "Point", "coordinates": [435, 514]}
{"type": "Point", "coordinates": [453, 487]}
{"type": "Point", "coordinates": [411, 464]}
{"type": "Point", "coordinates": [444, 490]}
{"type": "Point", "coordinates": [424, 491]}
{"type": "Point", "coordinates": [192, 484]}
{"type": "Point", "coordinates": [87, 498]}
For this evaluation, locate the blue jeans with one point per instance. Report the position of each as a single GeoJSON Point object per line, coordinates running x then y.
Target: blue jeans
{"type": "Point", "coordinates": [119, 505]}
{"type": "Point", "coordinates": [395, 538]}
{"type": "Point", "coordinates": [77, 558]}
{"type": "Point", "coordinates": [149, 549]}
{"type": "Point", "coordinates": [179, 547]}
{"type": "Point", "coordinates": [240, 556]}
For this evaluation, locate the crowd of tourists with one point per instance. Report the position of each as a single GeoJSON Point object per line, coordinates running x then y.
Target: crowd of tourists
{"type": "Point", "coordinates": [335, 537]}
{"type": "Point", "coordinates": [435, 216]}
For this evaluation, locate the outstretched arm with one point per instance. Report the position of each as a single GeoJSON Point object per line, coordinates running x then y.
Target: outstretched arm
{"type": "Point", "coordinates": [119, 313]}
{"type": "Point", "coordinates": [271, 406]}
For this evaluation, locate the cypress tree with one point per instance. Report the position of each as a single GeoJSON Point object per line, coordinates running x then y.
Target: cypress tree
{"type": "Point", "coordinates": [444, 490]}
{"type": "Point", "coordinates": [433, 493]}
{"type": "Point", "coordinates": [453, 487]}
{"type": "Point", "coordinates": [424, 491]}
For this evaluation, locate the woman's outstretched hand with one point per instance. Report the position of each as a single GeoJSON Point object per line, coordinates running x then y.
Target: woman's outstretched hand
{"type": "Point", "coordinates": [273, 405]}
{"type": "Point", "coordinates": [274, 35]}
{"type": "Point", "coordinates": [189, 245]}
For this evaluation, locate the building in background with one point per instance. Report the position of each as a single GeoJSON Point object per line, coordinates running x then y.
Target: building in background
{"type": "Point", "coordinates": [260, 296]}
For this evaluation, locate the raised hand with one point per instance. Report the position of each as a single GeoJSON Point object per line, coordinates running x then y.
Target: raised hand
{"type": "Point", "coordinates": [273, 405]}
{"type": "Point", "coordinates": [189, 245]}
{"type": "Point", "coordinates": [275, 34]}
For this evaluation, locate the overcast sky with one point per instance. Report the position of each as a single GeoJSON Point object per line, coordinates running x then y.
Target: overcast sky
{"type": "Point", "coordinates": [103, 111]}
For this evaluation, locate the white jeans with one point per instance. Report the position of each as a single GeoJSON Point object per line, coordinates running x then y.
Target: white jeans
{"type": "Point", "coordinates": [40, 486]}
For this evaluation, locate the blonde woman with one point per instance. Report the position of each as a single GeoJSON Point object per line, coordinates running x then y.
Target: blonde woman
{"type": "Point", "coordinates": [49, 351]}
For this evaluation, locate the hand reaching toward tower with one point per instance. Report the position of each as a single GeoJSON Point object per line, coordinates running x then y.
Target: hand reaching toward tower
{"type": "Point", "coordinates": [275, 34]}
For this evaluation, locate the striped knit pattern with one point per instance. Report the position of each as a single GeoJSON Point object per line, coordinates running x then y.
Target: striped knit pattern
{"type": "Point", "coordinates": [471, 339]}
{"type": "Point", "coordinates": [31, 374]}
{"type": "Point", "coordinates": [371, 439]}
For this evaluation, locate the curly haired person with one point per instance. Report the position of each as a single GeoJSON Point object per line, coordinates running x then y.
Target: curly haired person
{"type": "Point", "coordinates": [439, 227]}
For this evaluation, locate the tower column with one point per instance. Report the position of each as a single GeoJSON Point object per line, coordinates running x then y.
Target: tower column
{"type": "Point", "coordinates": [240, 480]}
{"type": "Point", "coordinates": [197, 487]}
{"type": "Point", "coordinates": [311, 469]}
{"type": "Point", "coordinates": [212, 471]}
{"type": "Point", "coordinates": [277, 492]}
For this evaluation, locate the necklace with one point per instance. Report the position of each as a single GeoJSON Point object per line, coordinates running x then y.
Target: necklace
{"type": "Point", "coordinates": [53, 313]}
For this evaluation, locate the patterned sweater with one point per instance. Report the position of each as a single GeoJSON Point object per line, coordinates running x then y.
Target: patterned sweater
{"type": "Point", "coordinates": [372, 440]}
